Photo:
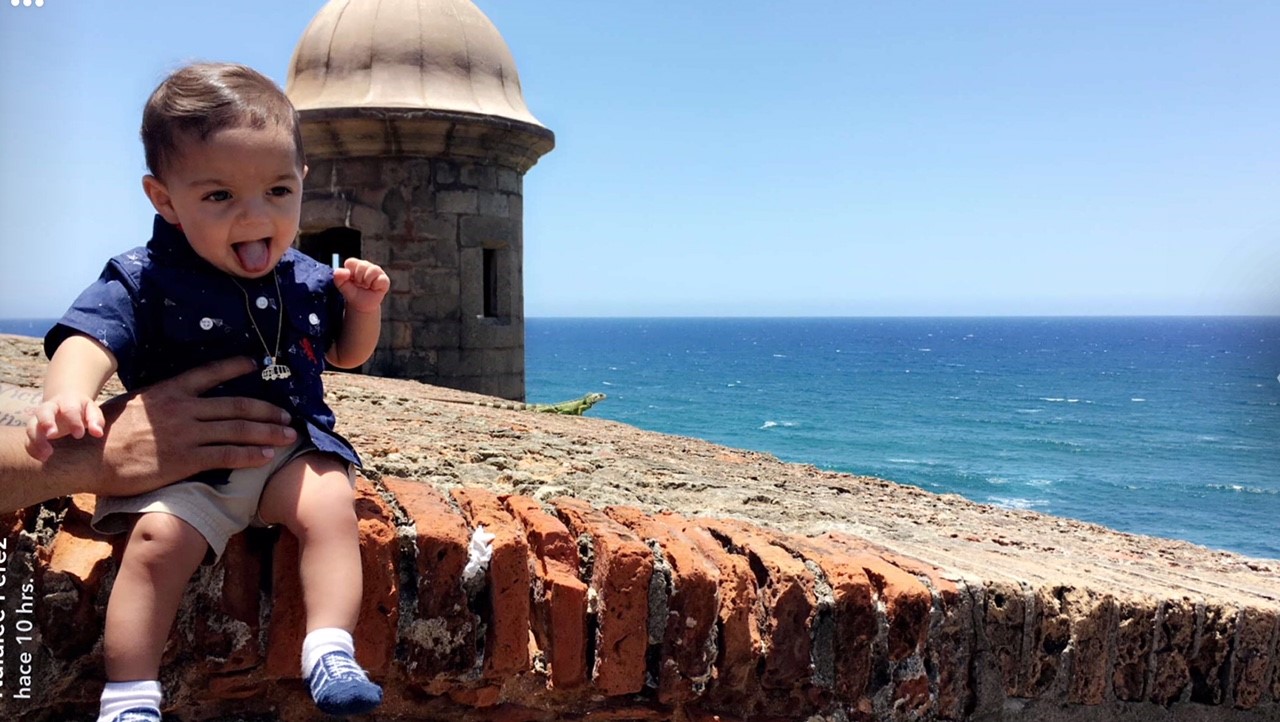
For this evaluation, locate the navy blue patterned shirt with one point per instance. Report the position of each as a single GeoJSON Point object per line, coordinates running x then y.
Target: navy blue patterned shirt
{"type": "Point", "coordinates": [163, 309]}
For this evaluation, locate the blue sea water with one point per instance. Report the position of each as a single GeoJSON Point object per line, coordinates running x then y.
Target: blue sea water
{"type": "Point", "coordinates": [1162, 426]}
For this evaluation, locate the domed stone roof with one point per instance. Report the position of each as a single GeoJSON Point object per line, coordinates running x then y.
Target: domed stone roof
{"type": "Point", "coordinates": [415, 54]}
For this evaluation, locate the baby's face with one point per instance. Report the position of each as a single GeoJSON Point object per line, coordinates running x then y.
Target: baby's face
{"type": "Point", "coordinates": [237, 196]}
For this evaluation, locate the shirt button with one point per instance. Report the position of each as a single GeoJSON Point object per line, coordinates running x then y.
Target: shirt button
{"type": "Point", "coordinates": [262, 302]}
{"type": "Point", "coordinates": [206, 323]}
{"type": "Point", "coordinates": [314, 319]}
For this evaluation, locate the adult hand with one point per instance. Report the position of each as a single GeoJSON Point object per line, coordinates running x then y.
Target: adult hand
{"type": "Point", "coordinates": [168, 432]}
{"type": "Point", "coordinates": [153, 437]}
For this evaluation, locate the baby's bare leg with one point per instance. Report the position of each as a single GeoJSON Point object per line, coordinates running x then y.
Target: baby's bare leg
{"type": "Point", "coordinates": [312, 497]}
{"type": "Point", "coordinates": [162, 553]}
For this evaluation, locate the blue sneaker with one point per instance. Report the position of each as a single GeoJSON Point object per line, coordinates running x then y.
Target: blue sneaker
{"type": "Point", "coordinates": [139, 714]}
{"type": "Point", "coordinates": [340, 687]}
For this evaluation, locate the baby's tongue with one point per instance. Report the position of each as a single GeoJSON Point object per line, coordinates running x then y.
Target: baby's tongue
{"type": "Point", "coordinates": [253, 255]}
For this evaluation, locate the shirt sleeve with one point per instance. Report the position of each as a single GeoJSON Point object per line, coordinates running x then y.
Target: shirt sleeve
{"type": "Point", "coordinates": [335, 309]}
{"type": "Point", "coordinates": [106, 311]}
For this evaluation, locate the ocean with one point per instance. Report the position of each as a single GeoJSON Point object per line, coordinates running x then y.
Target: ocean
{"type": "Point", "coordinates": [1154, 425]}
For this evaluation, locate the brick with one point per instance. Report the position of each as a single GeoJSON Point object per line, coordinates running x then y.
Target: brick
{"type": "Point", "coordinates": [379, 618]}
{"type": "Point", "coordinates": [1175, 632]}
{"type": "Point", "coordinates": [787, 595]}
{"type": "Point", "coordinates": [464, 201]}
{"type": "Point", "coordinates": [375, 631]}
{"type": "Point", "coordinates": [559, 597]}
{"type": "Point", "coordinates": [218, 631]}
{"type": "Point", "coordinates": [688, 644]}
{"type": "Point", "coordinates": [287, 627]}
{"type": "Point", "coordinates": [1252, 656]}
{"type": "Point", "coordinates": [1003, 619]}
{"type": "Point", "coordinates": [1209, 654]}
{"type": "Point", "coordinates": [1093, 619]}
{"type": "Point", "coordinates": [739, 620]}
{"type": "Point", "coordinates": [507, 643]}
{"type": "Point", "coordinates": [442, 638]}
{"type": "Point", "coordinates": [621, 571]}
{"type": "Point", "coordinates": [68, 613]}
{"type": "Point", "coordinates": [1135, 628]}
{"type": "Point", "coordinates": [855, 616]}
{"type": "Point", "coordinates": [1050, 633]}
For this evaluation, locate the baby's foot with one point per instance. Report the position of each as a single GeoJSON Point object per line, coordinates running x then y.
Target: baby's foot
{"type": "Point", "coordinates": [139, 714]}
{"type": "Point", "coordinates": [340, 687]}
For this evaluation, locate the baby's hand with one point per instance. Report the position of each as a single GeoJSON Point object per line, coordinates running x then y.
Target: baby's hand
{"type": "Point", "coordinates": [363, 284]}
{"type": "Point", "coordinates": [62, 415]}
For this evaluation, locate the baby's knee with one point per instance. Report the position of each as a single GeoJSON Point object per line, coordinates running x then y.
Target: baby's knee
{"type": "Point", "coordinates": [158, 538]}
{"type": "Point", "coordinates": [329, 508]}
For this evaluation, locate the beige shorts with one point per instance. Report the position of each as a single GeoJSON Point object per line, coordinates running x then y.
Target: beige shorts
{"type": "Point", "coordinates": [217, 512]}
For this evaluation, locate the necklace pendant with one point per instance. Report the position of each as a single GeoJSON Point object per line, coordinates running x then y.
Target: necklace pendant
{"type": "Point", "coordinates": [275, 371]}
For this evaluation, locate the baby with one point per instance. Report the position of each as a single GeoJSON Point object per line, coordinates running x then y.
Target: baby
{"type": "Point", "coordinates": [220, 278]}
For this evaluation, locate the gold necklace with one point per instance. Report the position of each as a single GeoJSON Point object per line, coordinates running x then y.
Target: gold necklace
{"type": "Point", "coordinates": [271, 371]}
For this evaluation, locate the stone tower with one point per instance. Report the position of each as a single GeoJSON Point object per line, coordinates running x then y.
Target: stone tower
{"type": "Point", "coordinates": [418, 138]}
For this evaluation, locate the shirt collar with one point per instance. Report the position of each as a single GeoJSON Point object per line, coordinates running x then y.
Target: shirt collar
{"type": "Point", "coordinates": [169, 246]}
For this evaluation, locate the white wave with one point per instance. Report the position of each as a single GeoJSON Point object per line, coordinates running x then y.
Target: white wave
{"type": "Point", "coordinates": [925, 350]}
{"type": "Point", "coordinates": [1041, 482]}
{"type": "Point", "coordinates": [1073, 401]}
{"type": "Point", "coordinates": [1137, 399]}
{"type": "Point", "coordinates": [606, 383]}
{"type": "Point", "coordinates": [910, 462]}
{"type": "Point", "coordinates": [1031, 411]}
{"type": "Point", "coordinates": [997, 480]}
{"type": "Point", "coordinates": [1013, 502]}
{"type": "Point", "coordinates": [769, 424]}
{"type": "Point", "coordinates": [779, 355]}
{"type": "Point", "coordinates": [1054, 399]}
{"type": "Point", "coordinates": [1241, 489]}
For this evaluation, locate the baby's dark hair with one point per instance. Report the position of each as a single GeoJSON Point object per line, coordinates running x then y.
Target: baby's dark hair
{"type": "Point", "coordinates": [203, 98]}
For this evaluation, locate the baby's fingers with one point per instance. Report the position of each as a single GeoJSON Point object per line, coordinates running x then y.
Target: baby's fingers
{"type": "Point", "coordinates": [94, 420]}
{"type": "Point", "coordinates": [38, 446]}
{"type": "Point", "coordinates": [70, 418]}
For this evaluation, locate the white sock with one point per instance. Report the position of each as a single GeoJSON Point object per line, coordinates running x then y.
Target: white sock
{"type": "Point", "coordinates": [120, 696]}
{"type": "Point", "coordinates": [322, 641]}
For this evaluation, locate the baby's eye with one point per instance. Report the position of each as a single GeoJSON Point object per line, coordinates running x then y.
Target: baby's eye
{"type": "Point", "coordinates": [281, 191]}
{"type": "Point", "coordinates": [218, 196]}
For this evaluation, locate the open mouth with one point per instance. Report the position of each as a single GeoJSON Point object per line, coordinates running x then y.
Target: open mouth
{"type": "Point", "coordinates": [254, 256]}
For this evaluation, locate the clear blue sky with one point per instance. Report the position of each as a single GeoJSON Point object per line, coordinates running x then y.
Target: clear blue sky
{"type": "Point", "coordinates": [822, 157]}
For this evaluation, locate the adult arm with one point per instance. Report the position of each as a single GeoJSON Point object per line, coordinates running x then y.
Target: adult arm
{"type": "Point", "coordinates": [154, 437]}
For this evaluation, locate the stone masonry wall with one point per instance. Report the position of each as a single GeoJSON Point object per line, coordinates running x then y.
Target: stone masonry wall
{"type": "Point", "coordinates": [427, 222]}
{"type": "Point", "coordinates": [638, 576]}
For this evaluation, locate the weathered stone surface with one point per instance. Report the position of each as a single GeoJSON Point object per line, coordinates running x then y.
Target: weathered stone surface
{"type": "Point", "coordinates": [1135, 632]}
{"type": "Point", "coordinates": [1005, 619]}
{"type": "Point", "coordinates": [1093, 622]}
{"type": "Point", "coordinates": [1209, 653]}
{"type": "Point", "coordinates": [1192, 635]}
{"type": "Point", "coordinates": [1254, 650]}
{"type": "Point", "coordinates": [1175, 633]}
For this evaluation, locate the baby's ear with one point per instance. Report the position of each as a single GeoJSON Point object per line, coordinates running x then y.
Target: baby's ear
{"type": "Point", "coordinates": [158, 194]}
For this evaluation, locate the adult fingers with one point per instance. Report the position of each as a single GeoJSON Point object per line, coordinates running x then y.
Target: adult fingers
{"type": "Point", "coordinates": [199, 380]}
{"type": "Point", "coordinates": [239, 407]}
{"type": "Point", "coordinates": [232, 457]}
{"type": "Point", "coordinates": [238, 432]}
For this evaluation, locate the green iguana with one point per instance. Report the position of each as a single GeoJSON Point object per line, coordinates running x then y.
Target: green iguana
{"type": "Point", "coordinates": [575, 407]}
